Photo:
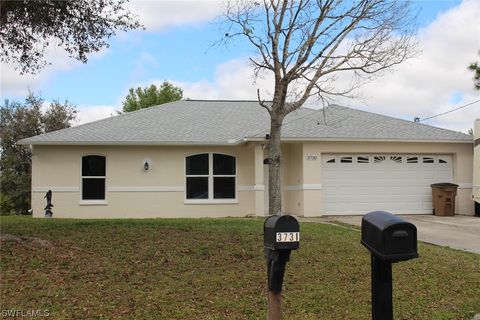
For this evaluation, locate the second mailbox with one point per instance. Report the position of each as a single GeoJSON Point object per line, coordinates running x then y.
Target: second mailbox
{"type": "Point", "coordinates": [281, 233]}
{"type": "Point", "coordinates": [389, 237]}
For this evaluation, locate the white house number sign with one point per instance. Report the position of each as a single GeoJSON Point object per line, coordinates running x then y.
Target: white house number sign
{"type": "Point", "coordinates": [288, 236]}
{"type": "Point", "coordinates": [312, 157]}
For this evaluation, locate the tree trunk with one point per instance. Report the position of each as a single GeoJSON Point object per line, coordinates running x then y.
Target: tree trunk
{"type": "Point", "coordinates": [275, 172]}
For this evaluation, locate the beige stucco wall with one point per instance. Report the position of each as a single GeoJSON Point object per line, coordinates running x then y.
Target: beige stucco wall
{"type": "Point", "coordinates": [160, 191]}
{"type": "Point", "coordinates": [462, 167]}
{"type": "Point", "coordinates": [59, 168]}
{"type": "Point", "coordinates": [292, 178]}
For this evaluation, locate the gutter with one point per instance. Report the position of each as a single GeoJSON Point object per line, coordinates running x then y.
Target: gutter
{"type": "Point", "coordinates": [131, 143]}
{"type": "Point", "coordinates": [258, 139]}
{"type": "Point", "coordinates": [231, 142]}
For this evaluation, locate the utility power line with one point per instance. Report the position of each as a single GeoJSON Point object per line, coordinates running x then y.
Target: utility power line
{"type": "Point", "coordinates": [455, 109]}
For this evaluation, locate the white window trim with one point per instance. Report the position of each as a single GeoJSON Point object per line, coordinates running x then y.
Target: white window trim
{"type": "Point", "coordinates": [208, 201]}
{"type": "Point", "coordinates": [91, 202]}
{"type": "Point", "coordinates": [210, 177]}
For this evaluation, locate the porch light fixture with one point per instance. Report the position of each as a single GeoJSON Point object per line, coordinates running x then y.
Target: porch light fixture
{"type": "Point", "coordinates": [147, 164]}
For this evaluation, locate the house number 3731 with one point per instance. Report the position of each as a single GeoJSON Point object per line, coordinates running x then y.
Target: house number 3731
{"type": "Point", "coordinates": [288, 236]}
{"type": "Point", "coordinates": [311, 158]}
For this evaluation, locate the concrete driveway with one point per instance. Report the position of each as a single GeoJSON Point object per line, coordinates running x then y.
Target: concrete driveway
{"type": "Point", "coordinates": [458, 232]}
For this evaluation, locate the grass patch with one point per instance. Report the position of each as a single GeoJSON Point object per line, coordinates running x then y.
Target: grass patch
{"type": "Point", "coordinates": [215, 269]}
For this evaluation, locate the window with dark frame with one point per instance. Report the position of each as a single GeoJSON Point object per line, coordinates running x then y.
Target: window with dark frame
{"type": "Point", "coordinates": [93, 177]}
{"type": "Point", "coordinates": [210, 176]}
{"type": "Point", "coordinates": [197, 176]}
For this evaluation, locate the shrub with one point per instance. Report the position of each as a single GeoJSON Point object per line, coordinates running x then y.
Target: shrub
{"type": "Point", "coordinates": [6, 205]}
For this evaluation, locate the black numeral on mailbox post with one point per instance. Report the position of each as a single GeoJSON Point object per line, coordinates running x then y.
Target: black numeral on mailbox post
{"type": "Point", "coordinates": [390, 239]}
{"type": "Point", "coordinates": [281, 235]}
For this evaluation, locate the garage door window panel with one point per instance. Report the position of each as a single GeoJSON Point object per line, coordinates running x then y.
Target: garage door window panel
{"type": "Point", "coordinates": [428, 160]}
{"type": "Point", "coordinates": [363, 159]}
{"type": "Point", "coordinates": [412, 159]}
{"type": "Point", "coordinates": [378, 159]}
{"type": "Point", "coordinates": [397, 159]}
{"type": "Point", "coordinates": [346, 160]}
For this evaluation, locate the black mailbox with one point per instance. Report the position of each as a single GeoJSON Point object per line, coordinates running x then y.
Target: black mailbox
{"type": "Point", "coordinates": [281, 233]}
{"type": "Point", "coordinates": [389, 237]}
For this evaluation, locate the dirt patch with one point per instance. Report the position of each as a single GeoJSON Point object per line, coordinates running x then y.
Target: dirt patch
{"type": "Point", "coordinates": [9, 237]}
{"type": "Point", "coordinates": [26, 240]}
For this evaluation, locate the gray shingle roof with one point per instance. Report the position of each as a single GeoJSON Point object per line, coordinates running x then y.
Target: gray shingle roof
{"type": "Point", "coordinates": [229, 122]}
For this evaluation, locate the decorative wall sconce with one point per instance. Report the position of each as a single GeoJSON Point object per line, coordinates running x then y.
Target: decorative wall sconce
{"type": "Point", "coordinates": [147, 164]}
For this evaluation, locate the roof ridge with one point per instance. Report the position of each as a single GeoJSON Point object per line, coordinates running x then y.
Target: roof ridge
{"type": "Point", "coordinates": [397, 119]}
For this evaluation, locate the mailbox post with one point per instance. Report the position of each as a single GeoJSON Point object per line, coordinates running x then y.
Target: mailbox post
{"type": "Point", "coordinates": [281, 235]}
{"type": "Point", "coordinates": [390, 239]}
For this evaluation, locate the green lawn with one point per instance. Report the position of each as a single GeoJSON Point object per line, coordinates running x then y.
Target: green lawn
{"type": "Point", "coordinates": [214, 269]}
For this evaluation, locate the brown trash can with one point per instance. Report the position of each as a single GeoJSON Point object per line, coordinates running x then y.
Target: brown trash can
{"type": "Point", "coordinates": [443, 198]}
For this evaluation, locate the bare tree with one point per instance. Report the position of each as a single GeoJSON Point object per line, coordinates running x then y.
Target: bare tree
{"type": "Point", "coordinates": [308, 44]}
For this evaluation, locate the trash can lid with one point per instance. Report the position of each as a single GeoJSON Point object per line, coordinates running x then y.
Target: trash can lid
{"type": "Point", "coordinates": [443, 184]}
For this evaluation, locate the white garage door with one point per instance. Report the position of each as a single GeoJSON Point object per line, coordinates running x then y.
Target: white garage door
{"type": "Point", "coordinates": [360, 183]}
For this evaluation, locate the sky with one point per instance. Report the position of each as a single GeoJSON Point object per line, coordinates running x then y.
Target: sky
{"type": "Point", "coordinates": [178, 45]}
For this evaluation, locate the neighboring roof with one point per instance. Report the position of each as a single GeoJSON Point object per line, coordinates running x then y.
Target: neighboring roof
{"type": "Point", "coordinates": [221, 122]}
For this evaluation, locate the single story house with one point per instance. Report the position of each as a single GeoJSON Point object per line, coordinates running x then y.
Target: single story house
{"type": "Point", "coordinates": [195, 158]}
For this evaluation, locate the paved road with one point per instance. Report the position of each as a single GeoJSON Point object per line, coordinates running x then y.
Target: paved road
{"type": "Point", "coordinates": [458, 232]}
